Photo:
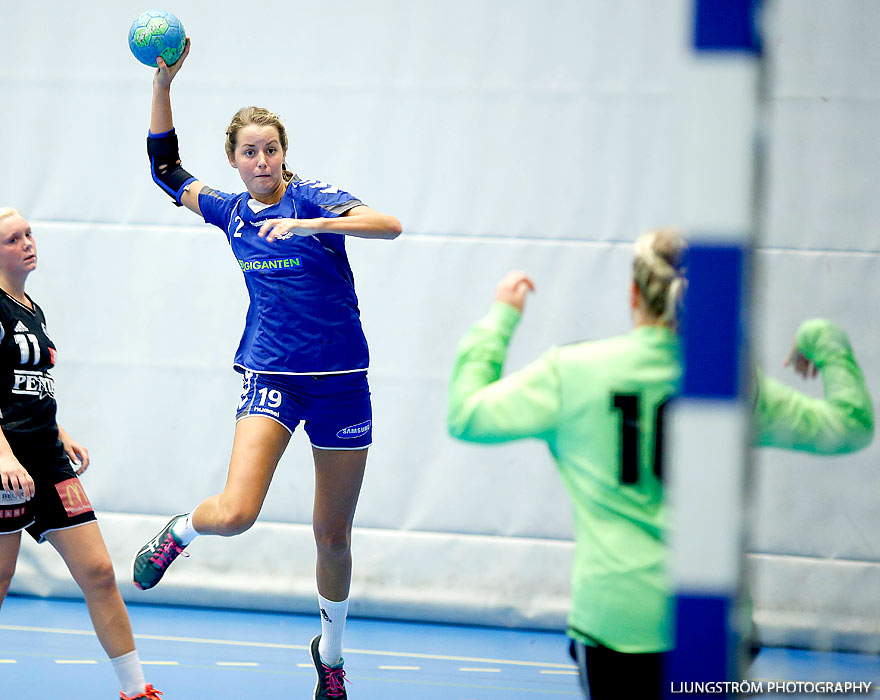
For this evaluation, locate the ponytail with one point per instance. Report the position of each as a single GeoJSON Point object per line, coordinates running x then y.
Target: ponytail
{"type": "Point", "coordinates": [659, 273]}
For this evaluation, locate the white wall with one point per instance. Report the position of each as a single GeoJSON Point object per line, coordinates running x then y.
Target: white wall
{"type": "Point", "coordinates": [502, 134]}
{"type": "Point", "coordinates": [817, 561]}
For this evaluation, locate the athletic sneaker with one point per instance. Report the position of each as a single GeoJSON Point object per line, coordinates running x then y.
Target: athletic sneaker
{"type": "Point", "coordinates": [149, 694]}
{"type": "Point", "coordinates": [331, 679]}
{"type": "Point", "coordinates": [155, 557]}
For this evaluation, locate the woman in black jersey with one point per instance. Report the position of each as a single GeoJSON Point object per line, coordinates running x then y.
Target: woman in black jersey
{"type": "Point", "coordinates": [39, 488]}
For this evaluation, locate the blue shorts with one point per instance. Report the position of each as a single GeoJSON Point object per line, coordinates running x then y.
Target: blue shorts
{"type": "Point", "coordinates": [335, 408]}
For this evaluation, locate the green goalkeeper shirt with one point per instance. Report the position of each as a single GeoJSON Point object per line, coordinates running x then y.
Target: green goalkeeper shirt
{"type": "Point", "coordinates": [841, 422]}
{"type": "Point", "coordinates": [597, 405]}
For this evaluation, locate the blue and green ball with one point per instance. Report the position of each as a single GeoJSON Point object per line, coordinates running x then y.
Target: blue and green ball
{"type": "Point", "coordinates": [156, 33]}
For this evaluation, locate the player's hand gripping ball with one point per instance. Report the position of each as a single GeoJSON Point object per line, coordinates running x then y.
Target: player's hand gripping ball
{"type": "Point", "coordinates": [156, 33]}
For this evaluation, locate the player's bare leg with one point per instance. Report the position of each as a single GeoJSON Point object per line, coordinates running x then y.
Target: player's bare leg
{"type": "Point", "coordinates": [9, 546]}
{"type": "Point", "coordinates": [83, 550]}
{"type": "Point", "coordinates": [338, 478]}
{"type": "Point", "coordinates": [258, 445]}
{"type": "Point", "coordinates": [85, 554]}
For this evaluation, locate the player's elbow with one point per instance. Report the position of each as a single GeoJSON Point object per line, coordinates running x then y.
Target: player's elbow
{"type": "Point", "coordinates": [460, 425]}
{"type": "Point", "coordinates": [393, 228]}
{"type": "Point", "coordinates": [456, 426]}
{"type": "Point", "coordinates": [856, 435]}
{"type": "Point", "coordinates": [863, 433]}
{"type": "Point", "coordinates": [858, 428]}
{"type": "Point", "coordinates": [471, 429]}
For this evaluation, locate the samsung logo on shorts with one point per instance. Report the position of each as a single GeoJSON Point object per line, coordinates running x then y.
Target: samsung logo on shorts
{"type": "Point", "coordinates": [354, 431]}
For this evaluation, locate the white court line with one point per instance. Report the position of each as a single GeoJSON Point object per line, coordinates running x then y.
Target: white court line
{"type": "Point", "coordinates": [468, 659]}
{"type": "Point", "coordinates": [75, 661]}
{"type": "Point", "coordinates": [298, 647]}
{"type": "Point", "coordinates": [8, 661]}
{"type": "Point", "coordinates": [306, 665]}
{"type": "Point", "coordinates": [559, 673]}
{"type": "Point", "coordinates": [237, 663]}
{"type": "Point", "coordinates": [160, 663]}
{"type": "Point", "coordinates": [401, 668]}
{"type": "Point", "coordinates": [480, 670]}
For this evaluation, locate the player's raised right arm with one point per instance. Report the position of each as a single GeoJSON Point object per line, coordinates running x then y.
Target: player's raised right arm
{"type": "Point", "coordinates": [162, 146]}
{"type": "Point", "coordinates": [482, 406]}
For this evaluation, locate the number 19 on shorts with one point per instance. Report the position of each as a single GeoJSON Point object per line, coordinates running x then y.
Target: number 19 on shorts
{"type": "Point", "coordinates": [269, 397]}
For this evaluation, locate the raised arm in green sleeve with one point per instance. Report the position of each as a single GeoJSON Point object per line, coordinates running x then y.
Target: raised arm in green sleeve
{"type": "Point", "coordinates": [485, 408]}
{"type": "Point", "coordinates": [841, 422]}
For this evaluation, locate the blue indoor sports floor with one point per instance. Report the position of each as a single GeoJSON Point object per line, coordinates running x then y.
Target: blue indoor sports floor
{"type": "Point", "coordinates": [48, 651]}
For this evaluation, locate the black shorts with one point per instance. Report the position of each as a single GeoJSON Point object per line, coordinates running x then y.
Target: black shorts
{"type": "Point", "coordinates": [608, 675]}
{"type": "Point", "coordinates": [59, 501]}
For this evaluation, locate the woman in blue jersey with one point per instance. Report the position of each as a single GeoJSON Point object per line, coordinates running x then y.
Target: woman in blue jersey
{"type": "Point", "coordinates": [303, 353]}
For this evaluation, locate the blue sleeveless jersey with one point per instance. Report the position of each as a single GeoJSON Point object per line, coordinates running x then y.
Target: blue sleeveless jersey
{"type": "Point", "coordinates": [303, 316]}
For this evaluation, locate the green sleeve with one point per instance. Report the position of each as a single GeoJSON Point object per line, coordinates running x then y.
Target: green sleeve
{"type": "Point", "coordinates": [841, 422]}
{"type": "Point", "coordinates": [485, 408]}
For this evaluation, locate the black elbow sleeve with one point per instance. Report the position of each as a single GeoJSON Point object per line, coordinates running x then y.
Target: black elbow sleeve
{"type": "Point", "coordinates": [165, 164]}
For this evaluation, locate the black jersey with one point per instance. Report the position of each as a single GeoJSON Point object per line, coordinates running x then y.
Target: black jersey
{"type": "Point", "coordinates": [27, 391]}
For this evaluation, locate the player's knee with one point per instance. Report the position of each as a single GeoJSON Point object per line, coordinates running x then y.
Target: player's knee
{"type": "Point", "coordinates": [333, 542]}
{"type": "Point", "coordinates": [234, 514]}
{"type": "Point", "coordinates": [96, 574]}
{"type": "Point", "coordinates": [7, 570]}
{"type": "Point", "coordinates": [235, 520]}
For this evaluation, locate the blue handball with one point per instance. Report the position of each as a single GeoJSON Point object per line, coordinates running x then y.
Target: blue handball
{"type": "Point", "coordinates": [156, 33]}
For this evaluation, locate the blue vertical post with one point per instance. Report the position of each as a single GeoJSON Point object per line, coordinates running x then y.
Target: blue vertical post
{"type": "Point", "coordinates": [710, 420]}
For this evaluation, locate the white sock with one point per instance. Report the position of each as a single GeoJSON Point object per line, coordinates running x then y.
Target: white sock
{"type": "Point", "coordinates": [183, 529]}
{"type": "Point", "coordinates": [333, 616]}
{"type": "Point", "coordinates": [130, 674]}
